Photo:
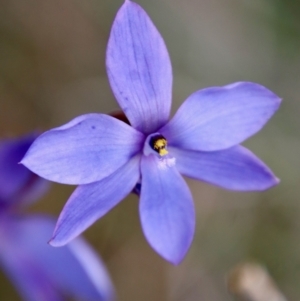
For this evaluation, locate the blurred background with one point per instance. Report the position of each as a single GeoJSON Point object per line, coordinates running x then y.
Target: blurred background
{"type": "Point", "coordinates": [52, 69]}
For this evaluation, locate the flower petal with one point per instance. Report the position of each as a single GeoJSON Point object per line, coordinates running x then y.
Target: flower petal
{"type": "Point", "coordinates": [86, 150]}
{"type": "Point", "coordinates": [90, 202]}
{"type": "Point", "coordinates": [220, 117]}
{"type": "Point", "coordinates": [13, 176]}
{"type": "Point", "coordinates": [17, 183]}
{"type": "Point", "coordinates": [74, 270]}
{"type": "Point", "coordinates": [139, 69]}
{"type": "Point", "coordinates": [235, 168]}
{"type": "Point", "coordinates": [20, 268]}
{"type": "Point", "coordinates": [166, 210]}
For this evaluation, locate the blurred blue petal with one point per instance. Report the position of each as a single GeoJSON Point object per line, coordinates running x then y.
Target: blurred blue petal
{"type": "Point", "coordinates": [85, 150]}
{"type": "Point", "coordinates": [220, 117]}
{"type": "Point", "coordinates": [18, 185]}
{"type": "Point", "coordinates": [139, 69]}
{"type": "Point", "coordinates": [91, 201]}
{"type": "Point", "coordinates": [166, 210]}
{"type": "Point", "coordinates": [28, 278]}
{"type": "Point", "coordinates": [235, 168]}
{"type": "Point", "coordinates": [41, 272]}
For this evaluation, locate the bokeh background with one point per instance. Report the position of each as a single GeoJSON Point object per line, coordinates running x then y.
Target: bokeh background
{"type": "Point", "coordinates": [52, 69]}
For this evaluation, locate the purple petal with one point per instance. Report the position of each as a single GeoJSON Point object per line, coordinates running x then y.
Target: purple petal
{"type": "Point", "coordinates": [17, 183]}
{"type": "Point", "coordinates": [13, 177]}
{"type": "Point", "coordinates": [27, 277]}
{"type": "Point", "coordinates": [21, 267]}
{"type": "Point", "coordinates": [235, 168]}
{"type": "Point", "coordinates": [36, 188]}
{"type": "Point", "coordinates": [90, 202]}
{"type": "Point", "coordinates": [86, 150]}
{"type": "Point", "coordinates": [74, 270]}
{"type": "Point", "coordinates": [220, 117]}
{"type": "Point", "coordinates": [166, 210]}
{"type": "Point", "coordinates": [139, 69]}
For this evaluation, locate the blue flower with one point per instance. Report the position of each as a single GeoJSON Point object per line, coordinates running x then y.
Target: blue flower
{"type": "Point", "coordinates": [39, 271]}
{"type": "Point", "coordinates": [107, 157]}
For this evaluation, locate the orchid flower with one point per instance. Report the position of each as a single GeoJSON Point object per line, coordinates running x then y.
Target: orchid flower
{"type": "Point", "coordinates": [107, 158]}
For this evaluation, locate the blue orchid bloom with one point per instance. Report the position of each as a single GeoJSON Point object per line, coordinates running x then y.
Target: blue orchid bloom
{"type": "Point", "coordinates": [108, 157]}
{"type": "Point", "coordinates": [38, 271]}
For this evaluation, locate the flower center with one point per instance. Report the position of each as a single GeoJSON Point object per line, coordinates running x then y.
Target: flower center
{"type": "Point", "coordinates": [156, 144]}
{"type": "Point", "coordinates": [159, 144]}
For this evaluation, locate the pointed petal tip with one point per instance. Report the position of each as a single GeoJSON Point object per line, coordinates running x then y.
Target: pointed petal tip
{"type": "Point", "coordinates": [172, 257]}
{"type": "Point", "coordinates": [54, 243]}
{"type": "Point", "coordinates": [271, 182]}
{"type": "Point", "coordinates": [22, 161]}
{"type": "Point", "coordinates": [175, 260]}
{"type": "Point", "coordinates": [275, 182]}
{"type": "Point", "coordinates": [279, 101]}
{"type": "Point", "coordinates": [264, 90]}
{"type": "Point", "coordinates": [50, 242]}
{"type": "Point", "coordinates": [25, 163]}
